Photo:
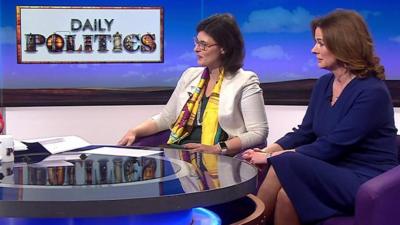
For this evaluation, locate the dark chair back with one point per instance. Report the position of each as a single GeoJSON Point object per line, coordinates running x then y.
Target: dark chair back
{"type": "Point", "coordinates": [153, 140]}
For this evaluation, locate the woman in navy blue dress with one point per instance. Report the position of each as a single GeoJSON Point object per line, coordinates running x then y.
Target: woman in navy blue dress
{"type": "Point", "coordinates": [347, 135]}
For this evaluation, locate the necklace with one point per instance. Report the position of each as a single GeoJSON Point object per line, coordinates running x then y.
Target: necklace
{"type": "Point", "coordinates": [337, 90]}
{"type": "Point", "coordinates": [198, 121]}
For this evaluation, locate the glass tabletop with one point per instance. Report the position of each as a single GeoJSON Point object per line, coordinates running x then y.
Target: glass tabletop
{"type": "Point", "coordinates": [76, 177]}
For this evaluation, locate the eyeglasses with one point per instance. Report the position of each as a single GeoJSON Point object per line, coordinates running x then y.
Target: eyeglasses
{"type": "Point", "coordinates": [202, 44]}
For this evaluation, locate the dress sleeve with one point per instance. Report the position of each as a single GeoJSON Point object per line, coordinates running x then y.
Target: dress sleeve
{"type": "Point", "coordinates": [369, 111]}
{"type": "Point", "coordinates": [304, 134]}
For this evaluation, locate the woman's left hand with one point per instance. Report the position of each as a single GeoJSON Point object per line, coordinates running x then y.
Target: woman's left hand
{"type": "Point", "coordinates": [257, 157]}
{"type": "Point", "coordinates": [202, 148]}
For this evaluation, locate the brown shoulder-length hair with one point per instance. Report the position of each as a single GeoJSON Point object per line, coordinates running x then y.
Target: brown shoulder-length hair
{"type": "Point", "coordinates": [225, 31]}
{"type": "Point", "coordinates": [346, 35]}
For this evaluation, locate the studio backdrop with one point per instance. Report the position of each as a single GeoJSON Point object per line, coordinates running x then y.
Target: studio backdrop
{"type": "Point", "coordinates": [95, 52]}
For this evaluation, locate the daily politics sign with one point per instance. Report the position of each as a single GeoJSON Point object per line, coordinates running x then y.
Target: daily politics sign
{"type": "Point", "coordinates": [58, 34]}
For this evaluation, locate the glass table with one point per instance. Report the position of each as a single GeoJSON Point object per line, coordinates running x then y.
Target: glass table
{"type": "Point", "coordinates": [79, 187]}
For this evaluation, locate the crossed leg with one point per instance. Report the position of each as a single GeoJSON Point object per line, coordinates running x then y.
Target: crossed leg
{"type": "Point", "coordinates": [279, 209]}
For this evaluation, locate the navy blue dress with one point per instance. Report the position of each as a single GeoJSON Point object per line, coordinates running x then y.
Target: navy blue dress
{"type": "Point", "coordinates": [338, 148]}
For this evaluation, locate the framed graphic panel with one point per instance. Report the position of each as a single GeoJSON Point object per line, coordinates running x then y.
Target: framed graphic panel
{"type": "Point", "coordinates": [89, 34]}
{"type": "Point", "coordinates": [94, 52]}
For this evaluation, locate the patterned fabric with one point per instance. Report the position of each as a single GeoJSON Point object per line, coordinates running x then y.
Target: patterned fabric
{"type": "Point", "coordinates": [207, 178]}
{"type": "Point", "coordinates": [211, 131]}
{"type": "Point", "coordinates": [206, 165]}
{"type": "Point", "coordinates": [210, 127]}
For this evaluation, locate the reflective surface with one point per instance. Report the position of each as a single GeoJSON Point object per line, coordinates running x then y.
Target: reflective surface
{"type": "Point", "coordinates": [174, 174]}
{"type": "Point", "coordinates": [93, 170]}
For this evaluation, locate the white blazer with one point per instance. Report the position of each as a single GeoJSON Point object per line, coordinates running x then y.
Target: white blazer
{"type": "Point", "coordinates": [241, 105]}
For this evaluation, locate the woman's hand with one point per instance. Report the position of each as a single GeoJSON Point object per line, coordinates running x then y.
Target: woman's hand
{"type": "Point", "coordinates": [128, 138]}
{"type": "Point", "coordinates": [202, 148]}
{"type": "Point", "coordinates": [255, 156]}
{"type": "Point", "coordinates": [249, 153]}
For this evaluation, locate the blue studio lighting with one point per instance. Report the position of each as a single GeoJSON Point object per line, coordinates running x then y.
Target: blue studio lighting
{"type": "Point", "coordinates": [199, 216]}
{"type": "Point", "coordinates": [202, 216]}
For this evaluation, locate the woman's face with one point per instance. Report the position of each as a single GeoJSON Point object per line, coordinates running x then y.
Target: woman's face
{"type": "Point", "coordinates": [207, 50]}
{"type": "Point", "coordinates": [326, 59]}
{"type": "Point", "coordinates": [149, 173]}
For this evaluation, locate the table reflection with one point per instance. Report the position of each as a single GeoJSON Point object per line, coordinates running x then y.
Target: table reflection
{"type": "Point", "coordinates": [93, 170]}
{"type": "Point", "coordinates": [206, 168]}
{"type": "Point", "coordinates": [96, 185]}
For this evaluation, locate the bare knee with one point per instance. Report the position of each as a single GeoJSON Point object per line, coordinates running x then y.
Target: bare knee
{"type": "Point", "coordinates": [271, 172]}
{"type": "Point", "coordinates": [285, 213]}
{"type": "Point", "coordinates": [283, 199]}
{"type": "Point", "coordinates": [271, 177]}
{"type": "Point", "coordinates": [270, 184]}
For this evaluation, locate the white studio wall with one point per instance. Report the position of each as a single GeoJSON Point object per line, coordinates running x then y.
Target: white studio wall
{"type": "Point", "coordinates": [107, 124]}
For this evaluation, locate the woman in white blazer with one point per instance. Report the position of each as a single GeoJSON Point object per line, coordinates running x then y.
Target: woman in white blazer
{"type": "Point", "coordinates": [235, 93]}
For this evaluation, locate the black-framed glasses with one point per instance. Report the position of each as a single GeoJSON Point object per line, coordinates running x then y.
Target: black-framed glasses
{"type": "Point", "coordinates": [202, 44]}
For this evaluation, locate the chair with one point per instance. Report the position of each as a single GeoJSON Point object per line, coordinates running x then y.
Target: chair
{"type": "Point", "coordinates": [377, 201]}
{"type": "Point", "coordinates": [153, 140]}
{"type": "Point", "coordinates": [162, 138]}
{"type": "Point", "coordinates": [248, 210]}
{"type": "Point", "coordinates": [257, 217]}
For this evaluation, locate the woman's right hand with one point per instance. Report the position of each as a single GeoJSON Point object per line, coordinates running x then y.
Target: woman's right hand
{"type": "Point", "coordinates": [128, 139]}
{"type": "Point", "coordinates": [148, 127]}
{"type": "Point", "coordinates": [255, 156]}
{"type": "Point", "coordinates": [259, 156]}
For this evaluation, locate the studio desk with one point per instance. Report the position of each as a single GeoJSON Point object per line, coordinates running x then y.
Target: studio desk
{"type": "Point", "coordinates": [162, 188]}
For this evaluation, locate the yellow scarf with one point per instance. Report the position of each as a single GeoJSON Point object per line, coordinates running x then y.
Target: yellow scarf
{"type": "Point", "coordinates": [210, 127]}
{"type": "Point", "coordinates": [210, 131]}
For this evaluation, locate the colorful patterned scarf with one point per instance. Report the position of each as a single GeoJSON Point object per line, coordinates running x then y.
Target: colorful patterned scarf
{"type": "Point", "coordinates": [210, 127]}
{"type": "Point", "coordinates": [210, 132]}
{"type": "Point", "coordinates": [206, 179]}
